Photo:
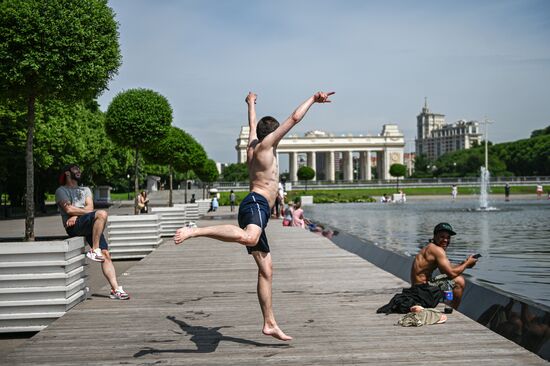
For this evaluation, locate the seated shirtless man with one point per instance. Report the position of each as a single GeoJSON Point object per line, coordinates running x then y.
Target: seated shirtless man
{"type": "Point", "coordinates": [433, 256]}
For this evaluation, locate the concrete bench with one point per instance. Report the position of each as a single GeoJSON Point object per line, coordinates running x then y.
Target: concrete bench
{"type": "Point", "coordinates": [39, 282]}
{"type": "Point", "coordinates": [133, 236]}
{"type": "Point", "coordinates": [171, 219]}
{"type": "Point", "coordinates": [191, 210]}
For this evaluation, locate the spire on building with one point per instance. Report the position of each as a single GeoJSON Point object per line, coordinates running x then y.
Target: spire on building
{"type": "Point", "coordinates": [425, 110]}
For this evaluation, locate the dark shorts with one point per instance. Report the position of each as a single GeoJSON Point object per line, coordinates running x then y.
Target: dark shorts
{"type": "Point", "coordinates": [84, 226]}
{"type": "Point", "coordinates": [254, 209]}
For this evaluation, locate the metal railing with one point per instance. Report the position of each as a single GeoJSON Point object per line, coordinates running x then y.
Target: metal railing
{"type": "Point", "coordinates": [406, 182]}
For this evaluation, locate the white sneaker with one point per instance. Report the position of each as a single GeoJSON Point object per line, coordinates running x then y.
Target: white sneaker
{"type": "Point", "coordinates": [191, 224]}
{"type": "Point", "coordinates": [119, 294]}
{"type": "Point", "coordinates": [95, 255]}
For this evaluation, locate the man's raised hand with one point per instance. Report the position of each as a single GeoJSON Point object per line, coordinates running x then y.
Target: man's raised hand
{"type": "Point", "coordinates": [322, 97]}
{"type": "Point", "coordinates": [251, 98]}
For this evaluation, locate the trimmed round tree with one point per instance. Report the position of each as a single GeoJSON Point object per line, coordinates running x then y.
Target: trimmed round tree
{"type": "Point", "coordinates": [207, 172]}
{"type": "Point", "coordinates": [398, 170]}
{"type": "Point", "coordinates": [177, 150]}
{"type": "Point", "coordinates": [55, 49]}
{"type": "Point", "coordinates": [305, 173]}
{"type": "Point", "coordinates": [138, 118]}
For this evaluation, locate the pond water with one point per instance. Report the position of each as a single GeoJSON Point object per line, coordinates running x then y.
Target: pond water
{"type": "Point", "coordinates": [513, 237]}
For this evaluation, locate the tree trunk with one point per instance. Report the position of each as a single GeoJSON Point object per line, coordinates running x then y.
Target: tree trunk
{"type": "Point", "coordinates": [136, 182]}
{"type": "Point", "coordinates": [170, 203]}
{"type": "Point", "coordinates": [29, 160]}
{"type": "Point", "coordinates": [186, 179]}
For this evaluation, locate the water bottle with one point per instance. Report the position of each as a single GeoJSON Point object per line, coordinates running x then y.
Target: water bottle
{"type": "Point", "coordinates": [447, 298]}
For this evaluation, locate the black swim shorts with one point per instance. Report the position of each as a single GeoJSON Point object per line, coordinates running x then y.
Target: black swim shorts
{"type": "Point", "coordinates": [254, 209]}
{"type": "Point", "coordinates": [84, 226]}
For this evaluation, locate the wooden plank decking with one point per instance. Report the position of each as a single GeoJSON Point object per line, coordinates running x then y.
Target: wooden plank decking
{"type": "Point", "coordinates": [196, 304]}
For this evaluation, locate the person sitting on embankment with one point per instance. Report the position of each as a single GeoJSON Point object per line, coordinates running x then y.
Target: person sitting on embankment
{"type": "Point", "coordinates": [434, 256]}
{"type": "Point", "coordinates": [425, 290]}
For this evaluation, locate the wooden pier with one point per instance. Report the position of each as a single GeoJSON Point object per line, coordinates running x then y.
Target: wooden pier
{"type": "Point", "coordinates": [196, 304]}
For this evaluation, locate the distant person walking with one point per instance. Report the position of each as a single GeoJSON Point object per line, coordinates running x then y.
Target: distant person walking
{"type": "Point", "coordinates": [232, 200]}
{"type": "Point", "coordinates": [507, 192]}
{"type": "Point", "coordinates": [540, 191]}
{"type": "Point", "coordinates": [454, 192]}
{"type": "Point", "coordinates": [255, 209]}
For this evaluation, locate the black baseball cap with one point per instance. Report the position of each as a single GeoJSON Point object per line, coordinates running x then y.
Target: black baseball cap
{"type": "Point", "coordinates": [443, 226]}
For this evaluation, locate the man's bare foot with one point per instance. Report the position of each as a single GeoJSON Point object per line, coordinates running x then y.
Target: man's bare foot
{"type": "Point", "coordinates": [276, 332]}
{"type": "Point", "coordinates": [442, 320]}
{"type": "Point", "coordinates": [183, 234]}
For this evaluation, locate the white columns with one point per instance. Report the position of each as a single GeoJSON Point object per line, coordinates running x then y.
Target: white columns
{"type": "Point", "coordinates": [368, 168]}
{"type": "Point", "coordinates": [348, 166]}
{"type": "Point", "coordinates": [312, 162]}
{"type": "Point", "coordinates": [329, 166]}
{"type": "Point", "coordinates": [293, 166]}
{"type": "Point", "coordinates": [365, 165]}
{"type": "Point", "coordinates": [383, 164]}
{"type": "Point", "coordinates": [380, 164]}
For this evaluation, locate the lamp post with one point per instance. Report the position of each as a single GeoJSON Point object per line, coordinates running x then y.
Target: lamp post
{"type": "Point", "coordinates": [486, 122]}
{"type": "Point", "coordinates": [129, 185]}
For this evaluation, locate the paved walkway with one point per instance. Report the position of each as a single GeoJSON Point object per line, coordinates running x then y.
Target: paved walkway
{"type": "Point", "coordinates": [196, 304]}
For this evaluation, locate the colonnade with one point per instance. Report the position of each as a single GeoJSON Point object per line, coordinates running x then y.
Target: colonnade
{"type": "Point", "coordinates": [325, 152]}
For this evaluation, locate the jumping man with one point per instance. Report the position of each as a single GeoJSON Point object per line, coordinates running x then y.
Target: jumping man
{"type": "Point", "coordinates": [255, 209]}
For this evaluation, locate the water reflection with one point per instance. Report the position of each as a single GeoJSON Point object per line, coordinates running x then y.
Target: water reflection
{"type": "Point", "coordinates": [514, 240]}
{"type": "Point", "coordinates": [527, 327]}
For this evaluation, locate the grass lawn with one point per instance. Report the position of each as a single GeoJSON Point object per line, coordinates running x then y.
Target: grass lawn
{"type": "Point", "coordinates": [369, 194]}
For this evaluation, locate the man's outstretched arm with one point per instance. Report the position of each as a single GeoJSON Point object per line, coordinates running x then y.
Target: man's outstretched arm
{"type": "Point", "coordinates": [296, 116]}
{"type": "Point", "coordinates": [447, 268]}
{"type": "Point", "coordinates": [251, 101]}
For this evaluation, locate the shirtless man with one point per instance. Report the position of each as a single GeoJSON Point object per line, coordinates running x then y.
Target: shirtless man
{"type": "Point", "coordinates": [255, 209]}
{"type": "Point", "coordinates": [433, 256]}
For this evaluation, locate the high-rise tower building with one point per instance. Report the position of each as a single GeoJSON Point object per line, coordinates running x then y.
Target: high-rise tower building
{"type": "Point", "coordinates": [435, 138]}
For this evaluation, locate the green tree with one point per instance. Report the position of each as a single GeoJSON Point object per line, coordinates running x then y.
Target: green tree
{"type": "Point", "coordinates": [421, 166]}
{"type": "Point", "coordinates": [237, 172]}
{"type": "Point", "coordinates": [207, 172]}
{"type": "Point", "coordinates": [177, 150]}
{"type": "Point", "coordinates": [138, 118]}
{"type": "Point", "coordinates": [525, 157]}
{"type": "Point", "coordinates": [398, 170]}
{"type": "Point", "coordinates": [65, 49]}
{"type": "Point", "coordinates": [305, 173]}
{"type": "Point", "coordinates": [65, 133]}
{"type": "Point", "coordinates": [543, 131]}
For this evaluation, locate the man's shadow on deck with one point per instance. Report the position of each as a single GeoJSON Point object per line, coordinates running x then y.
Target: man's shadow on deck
{"type": "Point", "coordinates": [206, 340]}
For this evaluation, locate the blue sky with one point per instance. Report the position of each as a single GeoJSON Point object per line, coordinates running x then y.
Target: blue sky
{"type": "Point", "coordinates": [471, 59]}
